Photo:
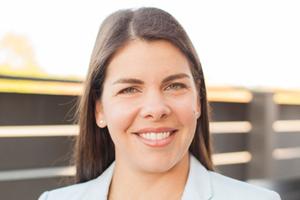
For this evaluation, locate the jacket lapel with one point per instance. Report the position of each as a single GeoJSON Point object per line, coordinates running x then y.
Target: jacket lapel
{"type": "Point", "coordinates": [98, 190]}
{"type": "Point", "coordinates": [198, 185]}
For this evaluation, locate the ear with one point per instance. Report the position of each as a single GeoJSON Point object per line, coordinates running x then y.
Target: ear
{"type": "Point", "coordinates": [99, 115]}
{"type": "Point", "coordinates": [198, 107]}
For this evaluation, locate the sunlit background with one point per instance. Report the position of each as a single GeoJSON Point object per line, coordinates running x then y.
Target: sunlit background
{"type": "Point", "coordinates": [240, 43]}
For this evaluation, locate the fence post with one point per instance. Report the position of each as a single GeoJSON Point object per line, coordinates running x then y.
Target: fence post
{"type": "Point", "coordinates": [263, 112]}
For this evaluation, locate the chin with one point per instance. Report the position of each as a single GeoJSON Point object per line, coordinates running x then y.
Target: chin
{"type": "Point", "coordinates": [155, 168]}
{"type": "Point", "coordinates": [156, 165]}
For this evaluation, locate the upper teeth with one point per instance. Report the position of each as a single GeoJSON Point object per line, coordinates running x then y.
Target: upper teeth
{"type": "Point", "coordinates": [155, 136]}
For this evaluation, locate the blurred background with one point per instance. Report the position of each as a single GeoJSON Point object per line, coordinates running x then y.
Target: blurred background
{"type": "Point", "coordinates": [249, 51]}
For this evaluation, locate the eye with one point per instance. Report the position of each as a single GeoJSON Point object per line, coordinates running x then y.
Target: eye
{"type": "Point", "coordinates": [128, 90]}
{"type": "Point", "coordinates": [176, 86]}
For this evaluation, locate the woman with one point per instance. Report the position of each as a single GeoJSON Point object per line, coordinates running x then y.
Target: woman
{"type": "Point", "coordinates": [144, 129]}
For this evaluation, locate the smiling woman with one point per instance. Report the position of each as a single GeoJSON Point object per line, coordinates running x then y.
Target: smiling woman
{"type": "Point", "coordinates": [162, 105]}
{"type": "Point", "coordinates": [143, 117]}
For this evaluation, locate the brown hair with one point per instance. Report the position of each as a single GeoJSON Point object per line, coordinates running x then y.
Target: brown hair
{"type": "Point", "coordinates": [94, 150]}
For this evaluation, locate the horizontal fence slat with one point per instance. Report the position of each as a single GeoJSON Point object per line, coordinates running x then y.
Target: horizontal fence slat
{"type": "Point", "coordinates": [286, 153]}
{"type": "Point", "coordinates": [72, 130]}
{"type": "Point", "coordinates": [37, 173]}
{"type": "Point", "coordinates": [287, 169]}
{"type": "Point", "coordinates": [22, 153]}
{"type": "Point", "coordinates": [227, 94]}
{"type": "Point", "coordinates": [288, 97]}
{"type": "Point", "coordinates": [229, 142]}
{"type": "Point", "coordinates": [39, 86]}
{"type": "Point", "coordinates": [29, 189]}
{"type": "Point", "coordinates": [36, 109]}
{"type": "Point", "coordinates": [286, 126]}
{"type": "Point", "coordinates": [225, 111]}
{"type": "Point", "coordinates": [229, 158]}
{"type": "Point", "coordinates": [230, 127]}
{"type": "Point", "coordinates": [237, 171]}
{"type": "Point", "coordinates": [289, 139]}
{"type": "Point", "coordinates": [38, 131]}
{"type": "Point", "coordinates": [289, 112]}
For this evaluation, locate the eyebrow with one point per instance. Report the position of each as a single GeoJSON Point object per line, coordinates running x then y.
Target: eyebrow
{"type": "Point", "coordinates": [140, 82]}
{"type": "Point", "coordinates": [174, 77]}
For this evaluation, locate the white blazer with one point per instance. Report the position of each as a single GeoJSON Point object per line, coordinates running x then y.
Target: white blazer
{"type": "Point", "coordinates": [201, 184]}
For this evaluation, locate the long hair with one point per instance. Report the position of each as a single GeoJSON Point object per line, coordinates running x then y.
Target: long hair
{"type": "Point", "coordinates": [94, 149]}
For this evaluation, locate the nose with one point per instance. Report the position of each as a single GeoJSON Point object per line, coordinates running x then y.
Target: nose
{"type": "Point", "coordinates": [155, 108]}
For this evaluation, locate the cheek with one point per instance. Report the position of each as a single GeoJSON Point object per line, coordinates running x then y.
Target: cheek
{"type": "Point", "coordinates": [187, 119]}
{"type": "Point", "coordinates": [184, 109]}
{"type": "Point", "coordinates": [119, 117]}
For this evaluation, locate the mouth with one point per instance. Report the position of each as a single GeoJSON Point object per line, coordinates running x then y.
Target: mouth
{"type": "Point", "coordinates": [156, 138]}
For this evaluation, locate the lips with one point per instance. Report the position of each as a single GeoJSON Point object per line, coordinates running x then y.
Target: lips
{"type": "Point", "coordinates": [155, 130]}
{"type": "Point", "coordinates": [156, 137]}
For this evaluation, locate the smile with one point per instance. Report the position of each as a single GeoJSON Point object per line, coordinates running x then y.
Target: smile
{"type": "Point", "coordinates": [156, 139]}
{"type": "Point", "coordinates": [155, 136]}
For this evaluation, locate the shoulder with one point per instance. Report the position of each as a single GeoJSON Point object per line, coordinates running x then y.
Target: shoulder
{"type": "Point", "coordinates": [206, 184]}
{"type": "Point", "coordinates": [233, 189]}
{"type": "Point", "coordinates": [95, 189]}
{"type": "Point", "coordinates": [74, 192]}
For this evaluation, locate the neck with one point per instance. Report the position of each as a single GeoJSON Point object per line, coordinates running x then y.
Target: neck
{"type": "Point", "coordinates": [133, 184]}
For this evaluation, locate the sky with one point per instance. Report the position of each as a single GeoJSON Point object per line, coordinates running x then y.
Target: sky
{"type": "Point", "coordinates": [240, 43]}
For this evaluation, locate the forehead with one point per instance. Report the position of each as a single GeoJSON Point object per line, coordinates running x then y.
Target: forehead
{"type": "Point", "coordinates": [144, 59]}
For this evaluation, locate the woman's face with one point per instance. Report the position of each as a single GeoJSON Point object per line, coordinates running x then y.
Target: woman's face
{"type": "Point", "coordinates": [149, 105]}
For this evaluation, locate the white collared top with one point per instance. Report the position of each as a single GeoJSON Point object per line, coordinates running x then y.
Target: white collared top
{"type": "Point", "coordinates": [201, 184]}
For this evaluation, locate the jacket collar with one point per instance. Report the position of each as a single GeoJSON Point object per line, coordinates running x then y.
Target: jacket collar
{"type": "Point", "coordinates": [198, 184]}
{"type": "Point", "coordinates": [99, 190]}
